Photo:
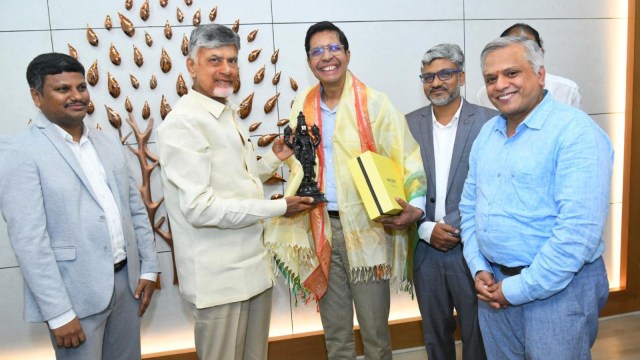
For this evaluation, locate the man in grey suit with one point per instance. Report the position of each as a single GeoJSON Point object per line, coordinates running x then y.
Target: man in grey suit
{"type": "Point", "coordinates": [76, 222]}
{"type": "Point", "coordinates": [445, 131]}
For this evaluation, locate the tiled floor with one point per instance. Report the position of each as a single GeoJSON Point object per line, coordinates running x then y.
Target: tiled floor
{"type": "Point", "coordinates": [618, 339]}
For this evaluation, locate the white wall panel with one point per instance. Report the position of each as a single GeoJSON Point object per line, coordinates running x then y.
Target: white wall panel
{"type": "Point", "coordinates": [507, 9]}
{"type": "Point", "coordinates": [17, 106]}
{"type": "Point", "coordinates": [24, 15]}
{"type": "Point", "coordinates": [335, 10]}
{"type": "Point", "coordinates": [18, 339]}
{"type": "Point", "coordinates": [613, 125]}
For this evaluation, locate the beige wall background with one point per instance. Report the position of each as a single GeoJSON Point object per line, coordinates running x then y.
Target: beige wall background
{"type": "Point", "coordinates": [584, 41]}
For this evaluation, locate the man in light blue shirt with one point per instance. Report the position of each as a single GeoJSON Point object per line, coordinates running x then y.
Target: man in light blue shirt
{"type": "Point", "coordinates": [533, 210]}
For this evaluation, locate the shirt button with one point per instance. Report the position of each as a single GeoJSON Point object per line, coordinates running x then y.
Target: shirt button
{"type": "Point", "coordinates": [105, 248]}
{"type": "Point", "coordinates": [101, 218]}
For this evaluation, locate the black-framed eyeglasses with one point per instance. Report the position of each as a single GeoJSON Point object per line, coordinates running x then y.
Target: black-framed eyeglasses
{"type": "Point", "coordinates": [319, 50]}
{"type": "Point", "coordinates": [443, 75]}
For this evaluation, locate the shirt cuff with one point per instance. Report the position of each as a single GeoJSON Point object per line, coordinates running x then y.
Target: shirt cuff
{"type": "Point", "coordinates": [420, 202]}
{"type": "Point", "coordinates": [271, 159]}
{"type": "Point", "coordinates": [425, 230]}
{"type": "Point", "coordinates": [61, 320]}
{"type": "Point", "coordinates": [477, 264]}
{"type": "Point", "coordinates": [149, 276]}
{"type": "Point", "coordinates": [513, 291]}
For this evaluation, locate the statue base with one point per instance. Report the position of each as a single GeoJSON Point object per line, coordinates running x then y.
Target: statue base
{"type": "Point", "coordinates": [312, 191]}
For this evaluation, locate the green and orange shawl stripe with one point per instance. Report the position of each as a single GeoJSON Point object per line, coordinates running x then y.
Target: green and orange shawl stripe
{"type": "Point", "coordinates": [365, 120]}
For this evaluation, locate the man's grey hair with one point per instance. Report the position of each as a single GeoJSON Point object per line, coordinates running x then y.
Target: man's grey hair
{"type": "Point", "coordinates": [533, 52]}
{"type": "Point", "coordinates": [451, 52]}
{"type": "Point", "coordinates": [211, 36]}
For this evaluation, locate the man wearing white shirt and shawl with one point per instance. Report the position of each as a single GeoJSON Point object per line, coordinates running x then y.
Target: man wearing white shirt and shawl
{"type": "Point", "coordinates": [352, 261]}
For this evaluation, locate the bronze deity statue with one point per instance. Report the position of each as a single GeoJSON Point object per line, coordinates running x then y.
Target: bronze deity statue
{"type": "Point", "coordinates": [304, 147]}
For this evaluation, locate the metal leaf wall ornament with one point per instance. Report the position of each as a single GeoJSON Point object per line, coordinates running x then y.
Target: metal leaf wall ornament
{"type": "Point", "coordinates": [112, 84]}
{"type": "Point", "coordinates": [276, 78]}
{"type": "Point", "coordinates": [127, 105]}
{"type": "Point", "coordinates": [134, 81]}
{"type": "Point", "coordinates": [267, 139]}
{"type": "Point", "coordinates": [128, 4]}
{"type": "Point", "coordinates": [213, 13]}
{"type": "Point", "coordinates": [184, 47]}
{"type": "Point", "coordinates": [275, 179]}
{"type": "Point", "coordinates": [92, 74]}
{"type": "Point", "coordinates": [179, 15]}
{"type": "Point", "coordinates": [253, 127]}
{"type": "Point", "coordinates": [257, 78]}
{"type": "Point", "coordinates": [181, 86]}
{"type": "Point", "coordinates": [108, 24]}
{"type": "Point", "coordinates": [282, 122]}
{"type": "Point", "coordinates": [236, 84]}
{"type": "Point", "coordinates": [137, 56]}
{"type": "Point", "coordinates": [196, 18]}
{"type": "Point", "coordinates": [146, 110]}
{"type": "Point", "coordinates": [271, 103]}
{"type": "Point", "coordinates": [90, 108]}
{"type": "Point", "coordinates": [293, 83]}
{"type": "Point", "coordinates": [98, 127]}
{"type": "Point", "coordinates": [245, 106]}
{"type": "Point", "coordinates": [165, 61]}
{"type": "Point", "coordinates": [92, 38]}
{"type": "Point", "coordinates": [164, 3]}
{"type": "Point", "coordinates": [165, 108]}
{"type": "Point", "coordinates": [114, 55]}
{"type": "Point", "coordinates": [72, 52]}
{"type": "Point", "coordinates": [153, 82]}
{"type": "Point", "coordinates": [252, 35]}
{"type": "Point", "coordinates": [114, 118]}
{"type": "Point", "coordinates": [274, 57]}
{"type": "Point", "coordinates": [254, 55]}
{"type": "Point", "coordinates": [168, 33]}
{"type": "Point", "coordinates": [127, 25]}
{"type": "Point", "coordinates": [148, 39]}
{"type": "Point", "coordinates": [144, 10]}
{"type": "Point", "coordinates": [236, 26]}
{"type": "Point", "coordinates": [188, 2]}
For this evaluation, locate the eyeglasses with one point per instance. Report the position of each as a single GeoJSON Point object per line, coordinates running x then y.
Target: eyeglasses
{"type": "Point", "coordinates": [443, 75]}
{"type": "Point", "coordinates": [319, 50]}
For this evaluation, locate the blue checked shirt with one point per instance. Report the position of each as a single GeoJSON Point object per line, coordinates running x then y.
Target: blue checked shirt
{"type": "Point", "coordinates": [538, 199]}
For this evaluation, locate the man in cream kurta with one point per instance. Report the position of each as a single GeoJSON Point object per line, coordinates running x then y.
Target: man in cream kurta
{"type": "Point", "coordinates": [215, 201]}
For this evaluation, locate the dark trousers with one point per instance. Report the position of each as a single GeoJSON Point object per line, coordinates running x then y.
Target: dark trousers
{"type": "Point", "coordinates": [443, 282]}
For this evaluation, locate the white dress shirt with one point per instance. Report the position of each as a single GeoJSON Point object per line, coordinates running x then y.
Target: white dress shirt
{"type": "Point", "coordinates": [444, 137]}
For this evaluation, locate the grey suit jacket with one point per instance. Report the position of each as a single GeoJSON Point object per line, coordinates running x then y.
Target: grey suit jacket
{"type": "Point", "coordinates": [472, 117]}
{"type": "Point", "coordinates": [57, 227]}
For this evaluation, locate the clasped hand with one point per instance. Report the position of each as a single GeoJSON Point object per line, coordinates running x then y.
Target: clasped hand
{"type": "Point", "coordinates": [490, 291]}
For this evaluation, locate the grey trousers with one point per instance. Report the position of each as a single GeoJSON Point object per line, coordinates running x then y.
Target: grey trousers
{"type": "Point", "coordinates": [443, 281]}
{"type": "Point", "coordinates": [371, 300]}
{"type": "Point", "coordinates": [112, 334]}
{"type": "Point", "coordinates": [234, 331]}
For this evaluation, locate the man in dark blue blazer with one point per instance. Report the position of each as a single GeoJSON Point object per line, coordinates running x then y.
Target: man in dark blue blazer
{"type": "Point", "coordinates": [445, 131]}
